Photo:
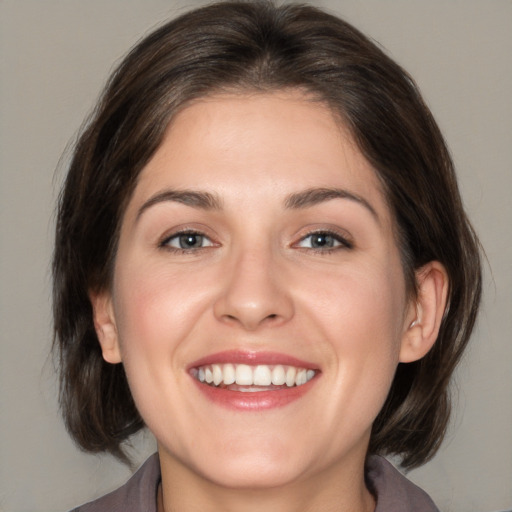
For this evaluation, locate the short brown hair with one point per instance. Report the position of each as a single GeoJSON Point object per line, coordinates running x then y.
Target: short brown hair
{"type": "Point", "coordinates": [249, 46]}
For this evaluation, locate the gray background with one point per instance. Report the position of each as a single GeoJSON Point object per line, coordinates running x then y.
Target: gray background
{"type": "Point", "coordinates": [55, 57]}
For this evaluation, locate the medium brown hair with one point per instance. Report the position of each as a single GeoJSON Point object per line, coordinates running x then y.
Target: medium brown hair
{"type": "Point", "coordinates": [247, 46]}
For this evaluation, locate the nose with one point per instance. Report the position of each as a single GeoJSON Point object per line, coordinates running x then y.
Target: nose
{"type": "Point", "coordinates": [255, 294]}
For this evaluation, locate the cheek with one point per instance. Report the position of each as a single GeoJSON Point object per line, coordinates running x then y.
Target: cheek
{"type": "Point", "coordinates": [358, 308]}
{"type": "Point", "coordinates": [156, 309]}
{"type": "Point", "coordinates": [155, 312]}
{"type": "Point", "coordinates": [139, 308]}
{"type": "Point", "coordinates": [360, 315]}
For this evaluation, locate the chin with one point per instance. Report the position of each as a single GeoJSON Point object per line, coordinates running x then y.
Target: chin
{"type": "Point", "coordinates": [254, 473]}
{"type": "Point", "coordinates": [262, 464]}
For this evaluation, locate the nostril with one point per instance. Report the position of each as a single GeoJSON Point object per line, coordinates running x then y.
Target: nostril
{"type": "Point", "coordinates": [251, 322]}
{"type": "Point", "coordinates": [272, 319]}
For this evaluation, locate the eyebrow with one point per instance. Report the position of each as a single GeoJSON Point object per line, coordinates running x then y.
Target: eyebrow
{"type": "Point", "coordinates": [193, 198]}
{"type": "Point", "coordinates": [314, 196]}
{"type": "Point", "coordinates": [298, 200]}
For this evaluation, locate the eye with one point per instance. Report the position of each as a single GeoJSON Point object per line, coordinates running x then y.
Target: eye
{"type": "Point", "coordinates": [324, 240]}
{"type": "Point", "coordinates": [187, 240]}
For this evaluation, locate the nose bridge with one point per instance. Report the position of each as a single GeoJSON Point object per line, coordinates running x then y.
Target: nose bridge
{"type": "Point", "coordinates": [255, 292]}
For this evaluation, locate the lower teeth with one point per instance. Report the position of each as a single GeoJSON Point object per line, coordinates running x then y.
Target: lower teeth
{"type": "Point", "coordinates": [255, 389]}
{"type": "Point", "coordinates": [249, 389]}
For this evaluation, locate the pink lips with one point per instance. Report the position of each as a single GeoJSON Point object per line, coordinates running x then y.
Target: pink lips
{"type": "Point", "coordinates": [251, 358]}
{"type": "Point", "coordinates": [252, 401]}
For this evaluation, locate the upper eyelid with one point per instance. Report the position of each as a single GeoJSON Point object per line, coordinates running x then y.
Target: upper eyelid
{"type": "Point", "coordinates": [164, 242]}
{"type": "Point", "coordinates": [341, 235]}
{"type": "Point", "coordinates": [180, 232]}
{"type": "Point", "coordinates": [184, 229]}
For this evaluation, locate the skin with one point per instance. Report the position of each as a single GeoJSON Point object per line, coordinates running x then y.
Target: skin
{"type": "Point", "coordinates": [257, 283]}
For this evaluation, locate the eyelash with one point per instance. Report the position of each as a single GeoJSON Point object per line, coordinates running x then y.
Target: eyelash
{"type": "Point", "coordinates": [164, 244]}
{"type": "Point", "coordinates": [342, 242]}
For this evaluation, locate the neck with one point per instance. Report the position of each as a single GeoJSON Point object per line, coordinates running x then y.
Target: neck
{"type": "Point", "coordinates": [334, 490]}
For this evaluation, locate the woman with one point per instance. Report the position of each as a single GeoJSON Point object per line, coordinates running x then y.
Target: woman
{"type": "Point", "coordinates": [262, 256]}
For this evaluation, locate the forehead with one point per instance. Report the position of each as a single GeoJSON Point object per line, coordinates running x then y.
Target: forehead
{"type": "Point", "coordinates": [246, 145]}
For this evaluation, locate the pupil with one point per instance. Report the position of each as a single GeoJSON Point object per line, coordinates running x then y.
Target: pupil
{"type": "Point", "coordinates": [322, 241]}
{"type": "Point", "coordinates": [190, 240]}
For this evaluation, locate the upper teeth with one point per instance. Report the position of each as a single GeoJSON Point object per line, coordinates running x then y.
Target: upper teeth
{"type": "Point", "coordinates": [260, 375]}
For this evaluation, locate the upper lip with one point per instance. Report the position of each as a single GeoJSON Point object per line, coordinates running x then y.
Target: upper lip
{"type": "Point", "coordinates": [252, 358]}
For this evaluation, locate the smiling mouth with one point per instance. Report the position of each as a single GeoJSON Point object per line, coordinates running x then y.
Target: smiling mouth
{"type": "Point", "coordinates": [249, 378]}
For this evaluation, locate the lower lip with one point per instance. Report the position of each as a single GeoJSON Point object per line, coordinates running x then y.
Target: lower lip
{"type": "Point", "coordinates": [255, 401]}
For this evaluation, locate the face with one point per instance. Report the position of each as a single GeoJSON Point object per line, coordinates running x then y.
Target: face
{"type": "Point", "coordinates": [258, 301]}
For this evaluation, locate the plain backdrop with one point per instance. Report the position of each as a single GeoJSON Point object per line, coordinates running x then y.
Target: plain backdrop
{"type": "Point", "coordinates": [55, 56]}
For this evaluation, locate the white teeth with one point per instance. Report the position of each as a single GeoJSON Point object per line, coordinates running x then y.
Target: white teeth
{"type": "Point", "coordinates": [217, 374]}
{"type": "Point", "coordinates": [301, 378]}
{"type": "Point", "coordinates": [279, 376]}
{"type": "Point", "coordinates": [262, 376]}
{"type": "Point", "coordinates": [243, 375]}
{"type": "Point", "coordinates": [258, 378]}
{"type": "Point", "coordinates": [290, 376]}
{"type": "Point", "coordinates": [229, 374]}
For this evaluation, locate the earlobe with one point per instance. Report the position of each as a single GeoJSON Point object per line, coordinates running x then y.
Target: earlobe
{"type": "Point", "coordinates": [424, 320]}
{"type": "Point", "coordinates": [105, 326]}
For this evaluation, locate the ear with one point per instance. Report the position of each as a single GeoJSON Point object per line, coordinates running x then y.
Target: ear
{"type": "Point", "coordinates": [105, 325]}
{"type": "Point", "coordinates": [424, 318]}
